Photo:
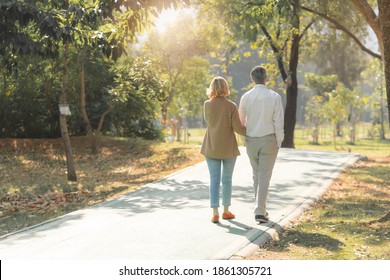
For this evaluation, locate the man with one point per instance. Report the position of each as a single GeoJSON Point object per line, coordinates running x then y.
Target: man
{"type": "Point", "coordinates": [261, 111]}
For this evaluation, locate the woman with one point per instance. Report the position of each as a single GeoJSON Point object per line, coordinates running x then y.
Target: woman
{"type": "Point", "coordinates": [220, 144]}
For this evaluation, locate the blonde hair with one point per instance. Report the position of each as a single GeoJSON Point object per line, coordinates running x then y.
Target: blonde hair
{"type": "Point", "coordinates": [218, 88]}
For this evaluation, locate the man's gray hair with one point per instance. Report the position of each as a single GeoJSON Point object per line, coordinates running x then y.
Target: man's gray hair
{"type": "Point", "coordinates": [258, 74]}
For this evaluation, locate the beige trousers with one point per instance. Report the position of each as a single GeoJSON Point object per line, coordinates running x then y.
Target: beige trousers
{"type": "Point", "coordinates": [262, 152]}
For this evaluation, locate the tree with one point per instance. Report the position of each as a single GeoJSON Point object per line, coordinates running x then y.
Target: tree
{"type": "Point", "coordinates": [190, 90]}
{"type": "Point", "coordinates": [344, 104]}
{"type": "Point", "coordinates": [315, 114]}
{"type": "Point", "coordinates": [20, 16]}
{"type": "Point", "coordinates": [136, 96]}
{"type": "Point", "coordinates": [132, 19]}
{"type": "Point", "coordinates": [379, 23]}
{"type": "Point", "coordinates": [18, 37]}
{"type": "Point", "coordinates": [279, 25]}
{"type": "Point", "coordinates": [336, 108]}
{"type": "Point", "coordinates": [18, 30]}
{"type": "Point", "coordinates": [84, 113]}
{"type": "Point", "coordinates": [175, 46]}
{"type": "Point", "coordinates": [334, 55]}
{"type": "Point", "coordinates": [120, 23]}
{"type": "Point", "coordinates": [45, 26]}
{"type": "Point", "coordinates": [356, 105]}
{"type": "Point", "coordinates": [29, 105]}
{"type": "Point", "coordinates": [315, 107]}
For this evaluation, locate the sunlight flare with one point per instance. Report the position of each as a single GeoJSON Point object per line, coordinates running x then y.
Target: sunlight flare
{"type": "Point", "coordinates": [168, 17]}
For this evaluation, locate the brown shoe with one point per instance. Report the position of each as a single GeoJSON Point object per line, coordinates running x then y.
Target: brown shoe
{"type": "Point", "coordinates": [228, 216]}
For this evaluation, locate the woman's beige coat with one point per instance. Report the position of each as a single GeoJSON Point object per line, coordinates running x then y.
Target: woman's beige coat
{"type": "Point", "coordinates": [222, 120]}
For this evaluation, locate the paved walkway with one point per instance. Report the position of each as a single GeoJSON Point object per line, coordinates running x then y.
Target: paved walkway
{"type": "Point", "coordinates": [170, 219]}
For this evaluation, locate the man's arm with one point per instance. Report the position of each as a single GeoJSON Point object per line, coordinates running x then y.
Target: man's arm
{"type": "Point", "coordinates": [279, 121]}
{"type": "Point", "coordinates": [241, 112]}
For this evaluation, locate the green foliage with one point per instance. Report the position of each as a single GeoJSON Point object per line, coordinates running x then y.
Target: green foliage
{"type": "Point", "coordinates": [91, 28]}
{"type": "Point", "coordinates": [136, 94]}
{"type": "Point", "coordinates": [178, 47]}
{"type": "Point", "coordinates": [344, 104]}
{"type": "Point", "coordinates": [191, 88]}
{"type": "Point", "coordinates": [123, 20]}
{"type": "Point", "coordinates": [336, 107]}
{"type": "Point", "coordinates": [31, 108]}
{"type": "Point", "coordinates": [267, 25]}
{"type": "Point", "coordinates": [315, 115]}
{"type": "Point", "coordinates": [98, 80]}
{"type": "Point", "coordinates": [16, 30]}
{"type": "Point", "coordinates": [336, 55]}
{"type": "Point", "coordinates": [332, 102]}
{"type": "Point", "coordinates": [316, 111]}
{"type": "Point", "coordinates": [373, 77]}
{"type": "Point", "coordinates": [342, 11]}
{"type": "Point", "coordinates": [321, 83]}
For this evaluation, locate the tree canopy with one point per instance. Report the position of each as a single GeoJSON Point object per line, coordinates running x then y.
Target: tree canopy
{"type": "Point", "coordinates": [86, 54]}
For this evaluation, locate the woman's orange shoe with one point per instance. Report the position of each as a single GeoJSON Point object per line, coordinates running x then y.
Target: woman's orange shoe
{"type": "Point", "coordinates": [215, 219]}
{"type": "Point", "coordinates": [228, 216]}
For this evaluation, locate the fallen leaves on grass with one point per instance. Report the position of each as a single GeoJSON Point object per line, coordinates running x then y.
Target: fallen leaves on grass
{"type": "Point", "coordinates": [46, 203]}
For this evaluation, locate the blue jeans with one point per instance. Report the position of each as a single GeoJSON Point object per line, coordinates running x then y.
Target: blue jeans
{"type": "Point", "coordinates": [215, 180]}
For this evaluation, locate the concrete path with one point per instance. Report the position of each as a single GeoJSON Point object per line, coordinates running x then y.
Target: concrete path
{"type": "Point", "coordinates": [170, 219]}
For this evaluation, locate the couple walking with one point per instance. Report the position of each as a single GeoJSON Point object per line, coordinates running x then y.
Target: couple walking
{"type": "Point", "coordinates": [260, 118]}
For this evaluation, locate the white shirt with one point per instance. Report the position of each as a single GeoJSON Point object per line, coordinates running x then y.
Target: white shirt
{"type": "Point", "coordinates": [261, 111]}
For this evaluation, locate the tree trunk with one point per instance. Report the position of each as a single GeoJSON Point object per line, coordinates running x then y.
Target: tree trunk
{"type": "Point", "coordinates": [384, 17]}
{"type": "Point", "coordinates": [87, 123]}
{"type": "Point", "coordinates": [178, 124]}
{"type": "Point", "coordinates": [49, 98]}
{"type": "Point", "coordinates": [164, 109]}
{"type": "Point", "coordinates": [292, 88]}
{"type": "Point", "coordinates": [63, 124]}
{"type": "Point", "coordinates": [290, 111]}
{"type": "Point", "coordinates": [353, 134]}
{"type": "Point", "coordinates": [101, 121]}
{"type": "Point", "coordinates": [315, 135]}
{"type": "Point", "coordinates": [382, 113]}
{"type": "Point", "coordinates": [277, 51]}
